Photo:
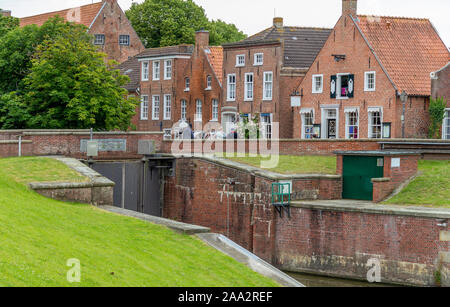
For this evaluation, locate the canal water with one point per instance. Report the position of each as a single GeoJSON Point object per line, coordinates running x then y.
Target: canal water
{"type": "Point", "coordinates": [330, 282]}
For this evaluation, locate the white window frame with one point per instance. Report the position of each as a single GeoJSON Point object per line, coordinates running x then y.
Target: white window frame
{"type": "Point", "coordinates": [314, 89]}
{"type": "Point", "coordinates": [240, 57]}
{"type": "Point", "coordinates": [264, 126]}
{"type": "Point", "coordinates": [247, 88]}
{"type": "Point", "coordinates": [231, 88]}
{"type": "Point", "coordinates": [255, 59]}
{"type": "Point", "coordinates": [208, 83]}
{"type": "Point", "coordinates": [303, 115]}
{"type": "Point", "coordinates": [347, 124]}
{"type": "Point", "coordinates": [215, 110]}
{"type": "Point", "coordinates": [339, 85]}
{"type": "Point", "coordinates": [124, 40]}
{"type": "Point", "coordinates": [156, 71]}
{"type": "Point", "coordinates": [168, 69]}
{"type": "Point", "coordinates": [167, 107]}
{"type": "Point", "coordinates": [265, 96]}
{"type": "Point", "coordinates": [446, 124]}
{"type": "Point", "coordinates": [156, 107]}
{"type": "Point", "coordinates": [198, 110]}
{"type": "Point", "coordinates": [324, 121]}
{"type": "Point", "coordinates": [366, 81]}
{"type": "Point", "coordinates": [99, 42]}
{"type": "Point", "coordinates": [183, 109]}
{"type": "Point", "coordinates": [370, 126]}
{"type": "Point", "coordinates": [187, 84]}
{"type": "Point", "coordinates": [144, 107]}
{"type": "Point", "coordinates": [145, 71]}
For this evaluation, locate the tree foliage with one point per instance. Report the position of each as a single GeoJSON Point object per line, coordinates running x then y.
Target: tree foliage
{"type": "Point", "coordinates": [437, 113]}
{"type": "Point", "coordinates": [61, 82]}
{"type": "Point", "coordinates": [162, 23]}
{"type": "Point", "coordinates": [7, 23]}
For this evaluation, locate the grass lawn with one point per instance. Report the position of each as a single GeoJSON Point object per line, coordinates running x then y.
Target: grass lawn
{"type": "Point", "coordinates": [294, 164]}
{"type": "Point", "coordinates": [39, 235]}
{"type": "Point", "coordinates": [432, 188]}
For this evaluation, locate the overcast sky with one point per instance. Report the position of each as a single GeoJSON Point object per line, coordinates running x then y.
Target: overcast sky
{"type": "Point", "coordinates": [252, 16]}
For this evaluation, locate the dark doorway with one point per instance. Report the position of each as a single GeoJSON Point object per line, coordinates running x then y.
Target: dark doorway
{"type": "Point", "coordinates": [331, 129]}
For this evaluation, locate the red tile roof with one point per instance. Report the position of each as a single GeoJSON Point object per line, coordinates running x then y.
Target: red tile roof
{"type": "Point", "coordinates": [409, 49]}
{"type": "Point", "coordinates": [215, 58]}
{"type": "Point", "coordinates": [82, 15]}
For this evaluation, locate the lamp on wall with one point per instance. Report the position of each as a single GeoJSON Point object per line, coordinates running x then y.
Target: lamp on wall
{"type": "Point", "coordinates": [296, 98]}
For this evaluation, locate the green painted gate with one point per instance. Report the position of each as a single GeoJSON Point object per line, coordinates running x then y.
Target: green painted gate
{"type": "Point", "coordinates": [357, 175]}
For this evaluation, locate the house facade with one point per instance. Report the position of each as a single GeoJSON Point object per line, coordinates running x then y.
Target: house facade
{"type": "Point", "coordinates": [262, 72]}
{"type": "Point", "coordinates": [440, 87]}
{"type": "Point", "coordinates": [371, 79]}
{"type": "Point", "coordinates": [106, 21]}
{"type": "Point", "coordinates": [178, 86]}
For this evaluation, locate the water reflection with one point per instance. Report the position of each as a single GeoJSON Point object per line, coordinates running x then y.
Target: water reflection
{"type": "Point", "coordinates": [322, 281]}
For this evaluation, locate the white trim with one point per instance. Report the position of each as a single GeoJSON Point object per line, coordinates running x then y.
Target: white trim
{"type": "Point", "coordinates": [303, 112]}
{"type": "Point", "coordinates": [306, 110]}
{"type": "Point", "coordinates": [98, 14]}
{"type": "Point", "coordinates": [148, 71]}
{"type": "Point", "coordinates": [314, 91]}
{"type": "Point", "coordinates": [153, 107]}
{"type": "Point", "coordinates": [246, 98]}
{"type": "Point", "coordinates": [165, 69]}
{"type": "Point", "coordinates": [255, 62]}
{"type": "Point", "coordinates": [229, 98]}
{"type": "Point", "coordinates": [444, 127]}
{"type": "Point", "coordinates": [212, 110]}
{"type": "Point", "coordinates": [369, 129]}
{"type": "Point", "coordinates": [153, 70]}
{"type": "Point", "coordinates": [266, 98]}
{"type": "Point", "coordinates": [366, 89]}
{"type": "Point", "coordinates": [142, 107]}
{"type": "Point", "coordinates": [323, 123]}
{"type": "Point", "coordinates": [167, 103]}
{"type": "Point", "coordinates": [237, 60]}
{"type": "Point", "coordinates": [347, 112]}
{"type": "Point", "coordinates": [171, 57]}
{"type": "Point", "coordinates": [339, 86]}
{"type": "Point", "coordinates": [198, 118]}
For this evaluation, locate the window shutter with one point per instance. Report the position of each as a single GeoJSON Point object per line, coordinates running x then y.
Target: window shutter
{"type": "Point", "coordinates": [351, 86]}
{"type": "Point", "coordinates": [333, 85]}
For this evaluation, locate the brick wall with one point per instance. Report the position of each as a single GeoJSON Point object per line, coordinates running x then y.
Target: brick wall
{"type": "Point", "coordinates": [67, 143]}
{"type": "Point", "coordinates": [339, 243]}
{"type": "Point", "coordinates": [440, 85]}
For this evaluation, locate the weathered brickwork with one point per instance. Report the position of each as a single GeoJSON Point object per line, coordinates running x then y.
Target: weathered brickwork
{"type": "Point", "coordinates": [440, 84]}
{"type": "Point", "coordinates": [340, 244]}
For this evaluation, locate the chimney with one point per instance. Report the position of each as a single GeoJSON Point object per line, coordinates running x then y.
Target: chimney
{"type": "Point", "coordinates": [5, 13]}
{"type": "Point", "coordinates": [278, 22]}
{"type": "Point", "coordinates": [349, 7]}
{"type": "Point", "coordinates": [202, 38]}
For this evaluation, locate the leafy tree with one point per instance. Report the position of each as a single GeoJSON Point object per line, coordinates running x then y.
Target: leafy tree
{"type": "Point", "coordinates": [162, 23]}
{"type": "Point", "coordinates": [437, 113]}
{"type": "Point", "coordinates": [13, 112]}
{"type": "Point", "coordinates": [7, 23]}
{"type": "Point", "coordinates": [70, 86]}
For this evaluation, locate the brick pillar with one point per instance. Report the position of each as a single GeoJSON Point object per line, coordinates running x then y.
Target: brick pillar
{"type": "Point", "coordinates": [349, 7]}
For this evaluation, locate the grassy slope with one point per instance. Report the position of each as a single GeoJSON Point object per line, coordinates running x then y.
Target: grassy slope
{"type": "Point", "coordinates": [39, 235]}
{"type": "Point", "coordinates": [295, 164]}
{"type": "Point", "coordinates": [432, 188]}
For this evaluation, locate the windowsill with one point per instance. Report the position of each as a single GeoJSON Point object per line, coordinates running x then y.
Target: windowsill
{"type": "Point", "coordinates": [231, 100]}
{"type": "Point", "coordinates": [317, 92]}
{"type": "Point", "coordinates": [144, 119]}
{"type": "Point", "coordinates": [342, 98]}
{"type": "Point", "coordinates": [144, 80]}
{"type": "Point", "coordinates": [258, 64]}
{"type": "Point", "coordinates": [155, 119]}
{"type": "Point", "coordinates": [214, 121]}
{"type": "Point", "coordinates": [267, 99]}
{"type": "Point", "coordinates": [208, 89]}
{"type": "Point", "coordinates": [187, 90]}
{"type": "Point", "coordinates": [369, 90]}
{"type": "Point", "coordinates": [156, 79]}
{"type": "Point", "coordinates": [248, 100]}
{"type": "Point", "coordinates": [240, 66]}
{"type": "Point", "coordinates": [166, 79]}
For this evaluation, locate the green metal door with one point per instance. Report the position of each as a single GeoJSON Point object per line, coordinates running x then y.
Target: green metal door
{"type": "Point", "coordinates": [358, 174]}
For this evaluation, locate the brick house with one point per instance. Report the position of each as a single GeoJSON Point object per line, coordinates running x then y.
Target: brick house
{"type": "Point", "coordinates": [177, 84]}
{"type": "Point", "coordinates": [354, 87]}
{"type": "Point", "coordinates": [440, 87]}
{"type": "Point", "coordinates": [112, 31]}
{"type": "Point", "coordinates": [261, 72]}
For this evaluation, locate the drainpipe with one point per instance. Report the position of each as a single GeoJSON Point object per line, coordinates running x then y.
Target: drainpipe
{"type": "Point", "coordinates": [403, 98]}
{"type": "Point", "coordinates": [20, 146]}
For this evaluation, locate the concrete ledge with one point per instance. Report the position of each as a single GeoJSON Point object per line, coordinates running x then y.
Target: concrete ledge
{"type": "Point", "coordinates": [242, 255]}
{"type": "Point", "coordinates": [15, 142]}
{"type": "Point", "coordinates": [177, 226]}
{"type": "Point", "coordinates": [371, 208]}
{"type": "Point", "coordinates": [261, 172]}
{"type": "Point", "coordinates": [381, 179]}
